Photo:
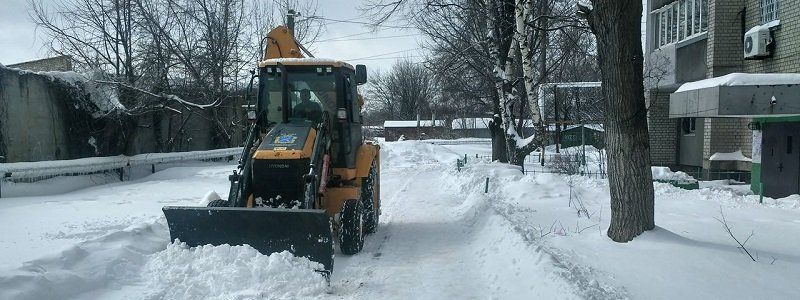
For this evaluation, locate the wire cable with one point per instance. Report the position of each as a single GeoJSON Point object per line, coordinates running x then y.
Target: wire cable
{"type": "Point", "coordinates": [367, 38]}
{"type": "Point", "coordinates": [361, 23]}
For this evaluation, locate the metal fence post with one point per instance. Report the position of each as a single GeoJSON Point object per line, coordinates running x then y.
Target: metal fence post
{"type": "Point", "coordinates": [486, 188]}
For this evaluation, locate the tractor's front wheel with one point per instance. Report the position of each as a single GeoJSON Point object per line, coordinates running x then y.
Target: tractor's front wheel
{"type": "Point", "coordinates": [351, 231]}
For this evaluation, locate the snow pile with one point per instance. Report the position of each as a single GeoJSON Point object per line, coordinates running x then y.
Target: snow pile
{"type": "Point", "coordinates": [567, 218]}
{"type": "Point", "coordinates": [111, 259]}
{"type": "Point", "coordinates": [740, 79]}
{"type": "Point", "coordinates": [210, 196]}
{"type": "Point", "coordinates": [665, 174]}
{"type": "Point", "coordinates": [230, 272]}
{"type": "Point", "coordinates": [730, 156]}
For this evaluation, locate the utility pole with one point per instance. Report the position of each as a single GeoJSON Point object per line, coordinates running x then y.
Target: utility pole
{"type": "Point", "coordinates": [290, 20]}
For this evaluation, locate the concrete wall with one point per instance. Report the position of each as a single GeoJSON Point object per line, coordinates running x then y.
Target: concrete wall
{"type": "Point", "coordinates": [34, 117]}
{"type": "Point", "coordinates": [45, 119]}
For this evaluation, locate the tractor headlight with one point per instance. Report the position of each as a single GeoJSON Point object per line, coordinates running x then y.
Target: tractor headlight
{"type": "Point", "coordinates": [341, 114]}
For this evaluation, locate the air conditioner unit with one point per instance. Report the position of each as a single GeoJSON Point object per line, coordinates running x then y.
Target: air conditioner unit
{"type": "Point", "coordinates": [756, 42]}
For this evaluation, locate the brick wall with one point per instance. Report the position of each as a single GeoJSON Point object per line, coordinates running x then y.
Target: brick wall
{"type": "Point", "coordinates": [786, 57]}
{"type": "Point", "coordinates": [725, 49]}
{"type": "Point", "coordinates": [663, 130]}
{"type": "Point", "coordinates": [727, 135]}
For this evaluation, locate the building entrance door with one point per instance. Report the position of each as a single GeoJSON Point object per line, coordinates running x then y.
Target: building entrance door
{"type": "Point", "coordinates": [780, 159]}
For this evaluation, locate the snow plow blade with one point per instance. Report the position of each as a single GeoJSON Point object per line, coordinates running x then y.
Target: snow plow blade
{"type": "Point", "coordinates": [303, 232]}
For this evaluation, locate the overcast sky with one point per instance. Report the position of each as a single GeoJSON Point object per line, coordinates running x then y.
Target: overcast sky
{"type": "Point", "coordinates": [19, 40]}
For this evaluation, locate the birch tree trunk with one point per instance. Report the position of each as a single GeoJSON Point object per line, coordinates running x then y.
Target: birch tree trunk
{"type": "Point", "coordinates": [616, 25]}
{"type": "Point", "coordinates": [503, 47]}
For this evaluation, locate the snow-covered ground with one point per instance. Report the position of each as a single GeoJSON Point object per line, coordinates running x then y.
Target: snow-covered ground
{"type": "Point", "coordinates": [535, 236]}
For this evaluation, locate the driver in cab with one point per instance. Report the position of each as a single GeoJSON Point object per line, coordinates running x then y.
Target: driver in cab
{"type": "Point", "coordinates": [307, 109]}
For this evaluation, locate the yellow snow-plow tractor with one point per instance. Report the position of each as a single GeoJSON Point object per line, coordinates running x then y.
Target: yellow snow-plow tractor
{"type": "Point", "coordinates": [306, 174]}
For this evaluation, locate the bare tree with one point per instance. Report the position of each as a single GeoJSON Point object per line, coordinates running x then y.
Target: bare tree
{"type": "Point", "coordinates": [405, 91]}
{"type": "Point", "coordinates": [616, 24]}
{"type": "Point", "coordinates": [184, 58]}
{"type": "Point", "coordinates": [515, 57]}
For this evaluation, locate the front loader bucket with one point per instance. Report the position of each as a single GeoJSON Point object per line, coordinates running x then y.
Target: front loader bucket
{"type": "Point", "coordinates": [303, 232]}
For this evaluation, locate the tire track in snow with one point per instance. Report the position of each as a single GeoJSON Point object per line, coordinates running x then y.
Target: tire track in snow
{"type": "Point", "coordinates": [583, 278]}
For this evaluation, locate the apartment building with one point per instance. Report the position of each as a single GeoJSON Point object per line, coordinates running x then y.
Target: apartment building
{"type": "Point", "coordinates": [724, 89]}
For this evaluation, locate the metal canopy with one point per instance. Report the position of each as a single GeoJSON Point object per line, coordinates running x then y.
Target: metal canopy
{"type": "Point", "coordinates": [746, 101]}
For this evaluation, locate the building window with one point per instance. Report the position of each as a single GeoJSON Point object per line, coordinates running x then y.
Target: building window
{"type": "Point", "coordinates": [689, 125]}
{"type": "Point", "coordinates": [769, 10]}
{"type": "Point", "coordinates": [681, 20]}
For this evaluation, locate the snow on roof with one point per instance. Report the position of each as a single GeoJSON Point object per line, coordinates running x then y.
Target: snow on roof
{"type": "Point", "coordinates": [740, 79]}
{"type": "Point", "coordinates": [406, 124]}
{"type": "Point", "coordinates": [305, 61]}
{"type": "Point", "coordinates": [479, 123]}
{"type": "Point", "coordinates": [730, 156]}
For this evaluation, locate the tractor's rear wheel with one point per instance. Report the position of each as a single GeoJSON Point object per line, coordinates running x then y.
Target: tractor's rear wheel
{"type": "Point", "coordinates": [371, 209]}
{"type": "Point", "coordinates": [351, 231]}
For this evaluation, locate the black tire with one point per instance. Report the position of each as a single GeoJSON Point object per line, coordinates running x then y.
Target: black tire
{"type": "Point", "coordinates": [218, 203]}
{"type": "Point", "coordinates": [371, 211]}
{"type": "Point", "coordinates": [351, 231]}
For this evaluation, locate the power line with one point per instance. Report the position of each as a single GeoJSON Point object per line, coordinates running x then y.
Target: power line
{"type": "Point", "coordinates": [382, 54]}
{"type": "Point", "coordinates": [361, 23]}
{"type": "Point", "coordinates": [349, 35]}
{"type": "Point", "coordinates": [392, 57]}
{"type": "Point", "coordinates": [368, 38]}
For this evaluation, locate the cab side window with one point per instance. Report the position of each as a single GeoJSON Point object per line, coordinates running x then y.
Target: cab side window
{"type": "Point", "coordinates": [352, 99]}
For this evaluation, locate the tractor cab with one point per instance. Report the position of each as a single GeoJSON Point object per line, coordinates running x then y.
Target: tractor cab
{"type": "Point", "coordinates": [303, 90]}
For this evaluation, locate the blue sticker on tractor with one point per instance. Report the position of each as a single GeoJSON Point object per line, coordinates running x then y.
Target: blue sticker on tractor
{"type": "Point", "coordinates": [289, 138]}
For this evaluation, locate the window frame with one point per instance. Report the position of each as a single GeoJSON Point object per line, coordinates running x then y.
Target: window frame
{"type": "Point", "coordinates": [689, 126]}
{"type": "Point", "coordinates": [770, 10]}
{"type": "Point", "coordinates": [680, 20]}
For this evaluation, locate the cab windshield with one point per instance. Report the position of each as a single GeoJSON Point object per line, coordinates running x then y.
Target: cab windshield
{"type": "Point", "coordinates": [310, 93]}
